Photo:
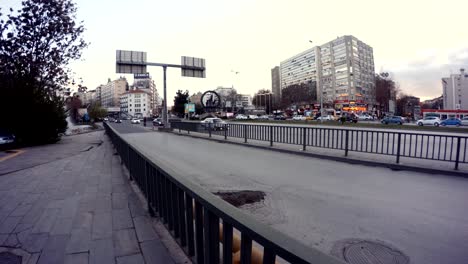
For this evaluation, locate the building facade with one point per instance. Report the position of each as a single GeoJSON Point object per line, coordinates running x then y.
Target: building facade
{"type": "Point", "coordinates": [275, 83]}
{"type": "Point", "coordinates": [110, 92]}
{"type": "Point", "coordinates": [136, 103]}
{"type": "Point", "coordinates": [145, 83]}
{"type": "Point", "coordinates": [342, 71]}
{"type": "Point", "coordinates": [455, 91]}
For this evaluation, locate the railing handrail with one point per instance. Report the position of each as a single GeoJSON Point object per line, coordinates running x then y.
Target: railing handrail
{"type": "Point", "coordinates": [265, 235]}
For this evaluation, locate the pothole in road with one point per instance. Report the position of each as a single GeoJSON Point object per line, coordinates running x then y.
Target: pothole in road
{"type": "Point", "coordinates": [359, 251]}
{"type": "Point", "coordinates": [239, 198]}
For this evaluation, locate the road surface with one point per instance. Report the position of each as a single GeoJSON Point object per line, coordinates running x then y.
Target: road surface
{"type": "Point", "coordinates": [320, 202]}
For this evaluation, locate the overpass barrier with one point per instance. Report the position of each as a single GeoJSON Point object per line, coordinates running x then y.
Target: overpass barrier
{"type": "Point", "coordinates": [202, 223]}
{"type": "Point", "coordinates": [428, 146]}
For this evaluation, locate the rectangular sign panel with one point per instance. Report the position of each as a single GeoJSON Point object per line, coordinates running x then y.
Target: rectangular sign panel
{"type": "Point", "coordinates": [141, 76]}
{"type": "Point", "coordinates": [130, 62]}
{"type": "Point", "coordinates": [189, 108]}
{"type": "Point", "coordinates": [190, 65]}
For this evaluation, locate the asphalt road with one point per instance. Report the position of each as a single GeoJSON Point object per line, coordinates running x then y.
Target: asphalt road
{"type": "Point", "coordinates": [320, 202]}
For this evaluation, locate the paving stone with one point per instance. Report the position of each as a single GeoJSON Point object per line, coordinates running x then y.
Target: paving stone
{"type": "Point", "coordinates": [82, 258]}
{"type": "Point", "coordinates": [83, 220]}
{"type": "Point", "coordinates": [12, 241]}
{"type": "Point", "coordinates": [80, 241]}
{"type": "Point", "coordinates": [119, 201]}
{"type": "Point", "coordinates": [121, 219]}
{"type": "Point", "coordinates": [62, 226]}
{"type": "Point", "coordinates": [9, 224]}
{"type": "Point", "coordinates": [155, 252]}
{"type": "Point", "coordinates": [34, 258]}
{"type": "Point", "coordinates": [103, 203]}
{"type": "Point", "coordinates": [101, 251]}
{"type": "Point", "coordinates": [54, 250]}
{"type": "Point", "coordinates": [46, 221]}
{"type": "Point", "coordinates": [3, 238]}
{"type": "Point", "coordinates": [102, 226]}
{"type": "Point", "coordinates": [133, 259]}
{"type": "Point", "coordinates": [21, 210]}
{"type": "Point", "coordinates": [144, 229]}
{"type": "Point", "coordinates": [34, 242]}
{"type": "Point", "coordinates": [125, 242]}
{"type": "Point", "coordinates": [135, 206]}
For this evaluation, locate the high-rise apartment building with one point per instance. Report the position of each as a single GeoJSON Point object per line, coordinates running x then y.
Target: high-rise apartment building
{"type": "Point", "coordinates": [455, 91]}
{"type": "Point", "coordinates": [275, 83]}
{"type": "Point", "coordinates": [342, 71]}
{"type": "Point", "coordinates": [110, 92]}
{"type": "Point", "coordinates": [136, 103]}
{"type": "Point", "coordinates": [144, 82]}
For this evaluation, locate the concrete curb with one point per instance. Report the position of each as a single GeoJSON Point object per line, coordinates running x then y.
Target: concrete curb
{"type": "Point", "coordinates": [395, 167]}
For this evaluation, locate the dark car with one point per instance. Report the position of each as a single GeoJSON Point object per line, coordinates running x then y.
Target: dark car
{"type": "Point", "coordinates": [280, 117]}
{"type": "Point", "coordinates": [6, 138]}
{"type": "Point", "coordinates": [392, 120]}
{"type": "Point", "coordinates": [158, 122]}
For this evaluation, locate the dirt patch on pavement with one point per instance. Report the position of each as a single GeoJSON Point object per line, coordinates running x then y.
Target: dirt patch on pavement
{"type": "Point", "coordinates": [239, 198]}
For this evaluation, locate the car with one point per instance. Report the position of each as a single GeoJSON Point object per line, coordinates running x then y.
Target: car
{"type": "Point", "coordinates": [158, 122]}
{"type": "Point", "coordinates": [365, 117]}
{"type": "Point", "coordinates": [392, 120]}
{"type": "Point", "coordinates": [252, 117]}
{"type": "Point", "coordinates": [452, 121]}
{"type": "Point", "coordinates": [279, 117]}
{"type": "Point", "coordinates": [299, 118]}
{"type": "Point", "coordinates": [263, 117]}
{"type": "Point", "coordinates": [106, 119]}
{"type": "Point", "coordinates": [325, 118]}
{"type": "Point", "coordinates": [135, 121]}
{"type": "Point", "coordinates": [6, 137]}
{"type": "Point", "coordinates": [430, 120]}
{"type": "Point", "coordinates": [464, 121]}
{"type": "Point", "coordinates": [118, 120]}
{"type": "Point", "coordinates": [241, 117]}
{"type": "Point", "coordinates": [214, 123]}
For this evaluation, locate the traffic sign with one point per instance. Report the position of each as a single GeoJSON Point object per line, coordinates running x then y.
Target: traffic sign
{"type": "Point", "coordinates": [193, 67]}
{"type": "Point", "coordinates": [130, 62]}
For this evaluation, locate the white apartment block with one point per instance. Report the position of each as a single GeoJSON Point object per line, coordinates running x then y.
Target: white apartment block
{"type": "Point", "coordinates": [342, 70]}
{"type": "Point", "coordinates": [144, 82]}
{"type": "Point", "coordinates": [455, 91]}
{"type": "Point", "coordinates": [136, 103]}
{"type": "Point", "coordinates": [110, 92]}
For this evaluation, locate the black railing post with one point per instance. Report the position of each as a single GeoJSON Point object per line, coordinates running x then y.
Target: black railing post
{"type": "Point", "coordinates": [129, 163]}
{"type": "Point", "coordinates": [346, 143]}
{"type": "Point", "coordinates": [225, 131]}
{"type": "Point", "coordinates": [209, 129]}
{"type": "Point", "coordinates": [458, 153]}
{"type": "Point", "coordinates": [304, 131]}
{"type": "Point", "coordinates": [148, 189]}
{"type": "Point", "coordinates": [245, 133]}
{"type": "Point", "coordinates": [271, 136]}
{"type": "Point", "coordinates": [398, 148]}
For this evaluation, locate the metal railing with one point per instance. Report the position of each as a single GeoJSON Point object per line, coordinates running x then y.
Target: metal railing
{"type": "Point", "coordinates": [199, 221]}
{"type": "Point", "coordinates": [449, 148]}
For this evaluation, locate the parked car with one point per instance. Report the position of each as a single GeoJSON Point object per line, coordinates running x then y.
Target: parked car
{"type": "Point", "coordinates": [118, 120]}
{"type": "Point", "coordinates": [158, 122]}
{"type": "Point", "coordinates": [214, 123]}
{"type": "Point", "coordinates": [452, 121]}
{"type": "Point", "coordinates": [430, 120]}
{"type": "Point", "coordinates": [106, 119]}
{"type": "Point", "coordinates": [241, 117]}
{"type": "Point", "coordinates": [263, 117]}
{"type": "Point", "coordinates": [299, 118]}
{"type": "Point", "coordinates": [392, 120]}
{"type": "Point", "coordinates": [135, 121]}
{"type": "Point", "coordinates": [6, 137]}
{"type": "Point", "coordinates": [279, 117]}
{"type": "Point", "coordinates": [252, 117]}
{"type": "Point", "coordinates": [464, 121]}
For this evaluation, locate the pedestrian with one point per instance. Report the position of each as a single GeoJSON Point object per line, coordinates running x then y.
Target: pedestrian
{"type": "Point", "coordinates": [144, 121]}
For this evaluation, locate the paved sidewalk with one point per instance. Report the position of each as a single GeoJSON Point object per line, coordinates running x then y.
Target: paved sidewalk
{"type": "Point", "coordinates": [79, 209]}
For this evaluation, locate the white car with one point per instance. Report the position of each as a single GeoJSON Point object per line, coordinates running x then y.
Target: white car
{"type": "Point", "coordinates": [325, 118]}
{"type": "Point", "coordinates": [299, 118]}
{"type": "Point", "coordinates": [241, 117]}
{"type": "Point", "coordinates": [135, 121]}
{"type": "Point", "coordinates": [253, 117]}
{"type": "Point", "coordinates": [464, 121]}
{"type": "Point", "coordinates": [365, 117]}
{"type": "Point", "coordinates": [214, 123]}
{"type": "Point", "coordinates": [429, 121]}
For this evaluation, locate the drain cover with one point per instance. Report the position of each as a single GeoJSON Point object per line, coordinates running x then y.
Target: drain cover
{"type": "Point", "coordinates": [10, 258]}
{"type": "Point", "coordinates": [358, 251]}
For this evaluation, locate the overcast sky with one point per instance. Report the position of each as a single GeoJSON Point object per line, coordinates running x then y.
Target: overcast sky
{"type": "Point", "coordinates": [418, 41]}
